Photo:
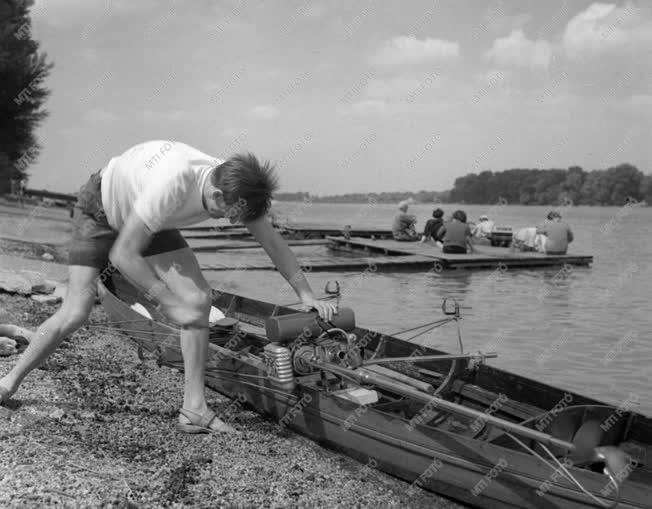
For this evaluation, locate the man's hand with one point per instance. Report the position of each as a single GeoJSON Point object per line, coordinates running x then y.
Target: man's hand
{"type": "Point", "coordinates": [325, 309]}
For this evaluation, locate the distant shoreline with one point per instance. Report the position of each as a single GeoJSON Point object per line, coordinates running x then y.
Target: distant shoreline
{"type": "Point", "coordinates": [434, 204]}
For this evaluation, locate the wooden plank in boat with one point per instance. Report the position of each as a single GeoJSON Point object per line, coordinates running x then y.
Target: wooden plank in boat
{"type": "Point", "coordinates": [476, 393]}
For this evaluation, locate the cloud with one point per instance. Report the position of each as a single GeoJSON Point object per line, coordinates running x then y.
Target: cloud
{"type": "Point", "coordinates": [516, 50]}
{"type": "Point", "coordinates": [264, 111]}
{"type": "Point", "coordinates": [603, 28]}
{"type": "Point", "coordinates": [408, 50]}
{"type": "Point", "coordinates": [369, 107]}
{"type": "Point", "coordinates": [392, 88]}
{"type": "Point", "coordinates": [66, 13]}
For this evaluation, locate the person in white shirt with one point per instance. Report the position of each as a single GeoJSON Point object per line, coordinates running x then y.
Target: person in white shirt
{"type": "Point", "coordinates": [528, 239]}
{"type": "Point", "coordinates": [484, 228]}
{"type": "Point", "coordinates": [128, 219]}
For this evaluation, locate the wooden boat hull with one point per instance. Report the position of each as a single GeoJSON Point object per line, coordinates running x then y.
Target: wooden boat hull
{"type": "Point", "coordinates": [458, 465]}
{"type": "Point", "coordinates": [477, 472]}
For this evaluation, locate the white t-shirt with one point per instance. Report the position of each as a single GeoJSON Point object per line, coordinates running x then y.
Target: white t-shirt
{"type": "Point", "coordinates": [484, 228]}
{"type": "Point", "coordinates": [161, 181]}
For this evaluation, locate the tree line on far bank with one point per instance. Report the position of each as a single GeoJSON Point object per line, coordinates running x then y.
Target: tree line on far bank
{"type": "Point", "coordinates": [614, 186]}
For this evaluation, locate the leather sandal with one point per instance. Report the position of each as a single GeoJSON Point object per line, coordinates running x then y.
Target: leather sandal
{"type": "Point", "coordinates": [202, 423]}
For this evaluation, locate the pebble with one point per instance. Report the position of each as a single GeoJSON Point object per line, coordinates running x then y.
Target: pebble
{"type": "Point", "coordinates": [25, 283]}
{"type": "Point", "coordinates": [14, 283]}
{"type": "Point", "coordinates": [57, 413]}
{"type": "Point", "coordinates": [47, 299]}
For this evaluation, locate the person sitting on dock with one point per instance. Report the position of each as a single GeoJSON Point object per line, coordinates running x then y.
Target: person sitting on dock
{"type": "Point", "coordinates": [128, 217]}
{"type": "Point", "coordinates": [432, 226]}
{"type": "Point", "coordinates": [558, 234]}
{"type": "Point", "coordinates": [403, 228]}
{"type": "Point", "coordinates": [456, 235]}
{"type": "Point", "coordinates": [484, 228]}
{"type": "Point", "coordinates": [527, 239]}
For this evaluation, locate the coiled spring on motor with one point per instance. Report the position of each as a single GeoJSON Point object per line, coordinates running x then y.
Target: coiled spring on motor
{"type": "Point", "coordinates": [281, 362]}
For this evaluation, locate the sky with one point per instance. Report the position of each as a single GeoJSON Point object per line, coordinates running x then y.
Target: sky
{"type": "Point", "coordinates": [348, 96]}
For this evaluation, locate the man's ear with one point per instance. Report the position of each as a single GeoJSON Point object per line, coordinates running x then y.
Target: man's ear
{"type": "Point", "coordinates": [218, 196]}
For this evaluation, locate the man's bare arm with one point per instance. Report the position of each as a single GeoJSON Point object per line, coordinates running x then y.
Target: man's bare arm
{"type": "Point", "coordinates": [281, 254]}
{"type": "Point", "coordinates": [287, 264]}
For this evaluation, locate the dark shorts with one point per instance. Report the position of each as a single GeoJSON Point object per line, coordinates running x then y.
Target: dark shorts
{"type": "Point", "coordinates": [454, 249]}
{"type": "Point", "coordinates": [92, 237]}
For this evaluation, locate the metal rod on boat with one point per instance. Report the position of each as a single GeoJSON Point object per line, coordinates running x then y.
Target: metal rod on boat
{"type": "Point", "coordinates": [420, 358]}
{"type": "Point", "coordinates": [368, 377]}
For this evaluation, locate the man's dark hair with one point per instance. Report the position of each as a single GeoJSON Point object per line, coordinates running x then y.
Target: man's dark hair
{"type": "Point", "coordinates": [460, 215]}
{"type": "Point", "coordinates": [553, 214]}
{"type": "Point", "coordinates": [247, 186]}
{"type": "Point", "coordinates": [437, 213]}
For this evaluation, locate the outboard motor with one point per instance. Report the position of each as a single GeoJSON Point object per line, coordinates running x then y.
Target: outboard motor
{"type": "Point", "coordinates": [303, 337]}
{"type": "Point", "coordinates": [288, 328]}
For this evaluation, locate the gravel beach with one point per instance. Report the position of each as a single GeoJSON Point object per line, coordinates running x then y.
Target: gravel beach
{"type": "Point", "coordinates": [94, 427]}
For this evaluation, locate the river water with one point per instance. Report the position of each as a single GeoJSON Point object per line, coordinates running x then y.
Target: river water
{"type": "Point", "coordinates": [584, 329]}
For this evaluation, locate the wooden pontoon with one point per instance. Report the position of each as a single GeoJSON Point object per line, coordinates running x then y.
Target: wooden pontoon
{"type": "Point", "coordinates": [320, 231]}
{"type": "Point", "coordinates": [486, 257]}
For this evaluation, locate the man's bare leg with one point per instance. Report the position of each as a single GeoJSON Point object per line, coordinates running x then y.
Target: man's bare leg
{"type": "Point", "coordinates": [72, 314]}
{"type": "Point", "coordinates": [180, 271]}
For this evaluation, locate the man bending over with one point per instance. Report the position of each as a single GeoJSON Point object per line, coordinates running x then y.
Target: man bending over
{"type": "Point", "coordinates": [129, 215]}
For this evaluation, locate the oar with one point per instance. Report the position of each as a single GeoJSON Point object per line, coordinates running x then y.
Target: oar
{"type": "Point", "coordinates": [615, 459]}
{"type": "Point", "coordinates": [421, 358]}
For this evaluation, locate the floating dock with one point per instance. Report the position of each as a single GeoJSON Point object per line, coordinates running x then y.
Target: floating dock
{"type": "Point", "coordinates": [322, 264]}
{"type": "Point", "coordinates": [485, 257]}
{"type": "Point", "coordinates": [382, 256]}
{"type": "Point", "coordinates": [236, 233]}
{"type": "Point", "coordinates": [212, 229]}
{"type": "Point", "coordinates": [317, 231]}
{"type": "Point", "coordinates": [209, 246]}
{"type": "Point", "coordinates": [291, 231]}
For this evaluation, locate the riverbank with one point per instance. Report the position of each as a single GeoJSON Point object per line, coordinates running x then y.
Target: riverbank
{"type": "Point", "coordinates": [94, 426]}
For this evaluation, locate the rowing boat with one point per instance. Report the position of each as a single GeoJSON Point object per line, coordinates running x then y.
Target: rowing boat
{"type": "Point", "coordinates": [448, 423]}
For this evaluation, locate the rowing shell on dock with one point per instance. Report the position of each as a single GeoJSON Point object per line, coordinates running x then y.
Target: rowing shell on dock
{"type": "Point", "coordinates": [448, 423]}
